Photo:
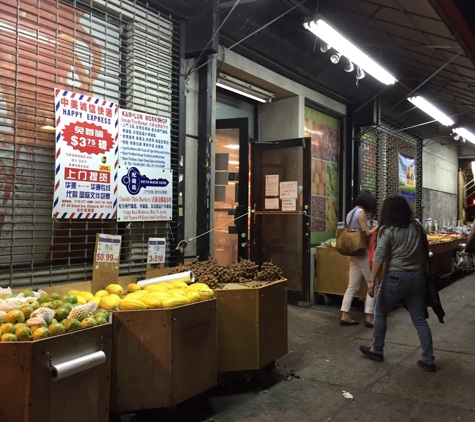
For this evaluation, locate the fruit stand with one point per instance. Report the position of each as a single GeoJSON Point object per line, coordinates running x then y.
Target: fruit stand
{"type": "Point", "coordinates": [29, 392]}
{"type": "Point", "coordinates": [331, 273]}
{"type": "Point", "coordinates": [162, 357]}
{"type": "Point", "coordinates": [252, 311]}
{"type": "Point", "coordinates": [442, 260]}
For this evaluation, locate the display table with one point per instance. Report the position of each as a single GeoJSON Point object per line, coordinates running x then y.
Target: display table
{"type": "Point", "coordinates": [331, 270]}
{"type": "Point", "coordinates": [442, 260]}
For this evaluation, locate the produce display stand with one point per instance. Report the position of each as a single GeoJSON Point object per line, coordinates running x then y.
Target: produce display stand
{"type": "Point", "coordinates": [332, 273]}
{"type": "Point", "coordinates": [442, 261]}
{"type": "Point", "coordinates": [162, 357]}
{"type": "Point", "coordinates": [29, 392]}
{"type": "Point", "coordinates": [252, 326]}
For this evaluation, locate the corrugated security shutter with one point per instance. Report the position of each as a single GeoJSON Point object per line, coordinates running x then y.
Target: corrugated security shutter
{"type": "Point", "coordinates": [117, 50]}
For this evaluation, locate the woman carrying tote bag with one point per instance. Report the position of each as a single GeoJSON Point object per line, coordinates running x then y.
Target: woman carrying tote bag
{"type": "Point", "coordinates": [357, 219]}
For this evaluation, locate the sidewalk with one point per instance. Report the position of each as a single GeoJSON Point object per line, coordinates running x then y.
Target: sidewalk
{"type": "Point", "coordinates": [324, 361]}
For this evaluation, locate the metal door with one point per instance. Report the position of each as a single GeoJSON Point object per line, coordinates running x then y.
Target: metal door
{"type": "Point", "coordinates": [280, 197]}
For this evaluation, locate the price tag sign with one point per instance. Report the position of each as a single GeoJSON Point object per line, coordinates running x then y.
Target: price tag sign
{"type": "Point", "coordinates": [156, 250]}
{"type": "Point", "coordinates": [108, 248]}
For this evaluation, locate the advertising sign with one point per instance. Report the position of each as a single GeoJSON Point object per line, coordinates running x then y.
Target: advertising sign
{"type": "Point", "coordinates": [86, 156]}
{"type": "Point", "coordinates": [407, 176]}
{"type": "Point", "coordinates": [145, 179]}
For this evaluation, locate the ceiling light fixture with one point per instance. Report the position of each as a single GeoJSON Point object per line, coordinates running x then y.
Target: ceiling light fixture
{"type": "Point", "coordinates": [244, 88]}
{"type": "Point", "coordinates": [464, 133]}
{"type": "Point", "coordinates": [359, 73]}
{"type": "Point", "coordinates": [349, 67]}
{"type": "Point", "coordinates": [324, 47]}
{"type": "Point", "coordinates": [431, 110]}
{"type": "Point", "coordinates": [335, 58]}
{"type": "Point", "coordinates": [340, 43]}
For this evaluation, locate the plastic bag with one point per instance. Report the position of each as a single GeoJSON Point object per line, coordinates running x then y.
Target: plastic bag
{"type": "Point", "coordinates": [464, 262]}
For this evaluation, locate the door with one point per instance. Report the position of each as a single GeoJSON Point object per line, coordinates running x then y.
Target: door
{"type": "Point", "coordinates": [231, 204]}
{"type": "Point", "coordinates": [280, 225]}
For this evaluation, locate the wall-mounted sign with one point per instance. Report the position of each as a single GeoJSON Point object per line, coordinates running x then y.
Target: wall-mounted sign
{"type": "Point", "coordinates": [407, 176]}
{"type": "Point", "coordinates": [86, 156]}
{"type": "Point", "coordinates": [145, 181]}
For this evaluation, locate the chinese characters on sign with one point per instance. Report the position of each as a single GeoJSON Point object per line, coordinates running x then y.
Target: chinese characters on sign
{"type": "Point", "coordinates": [86, 156]}
{"type": "Point", "coordinates": [108, 248]}
{"type": "Point", "coordinates": [145, 180]}
{"type": "Point", "coordinates": [156, 250]}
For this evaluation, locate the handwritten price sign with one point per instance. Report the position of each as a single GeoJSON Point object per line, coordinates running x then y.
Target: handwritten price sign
{"type": "Point", "coordinates": [156, 250]}
{"type": "Point", "coordinates": [108, 248]}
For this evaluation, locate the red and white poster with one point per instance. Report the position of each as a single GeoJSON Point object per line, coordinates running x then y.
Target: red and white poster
{"type": "Point", "coordinates": [86, 157]}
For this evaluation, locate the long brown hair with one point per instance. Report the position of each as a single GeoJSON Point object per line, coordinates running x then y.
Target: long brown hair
{"type": "Point", "coordinates": [395, 212]}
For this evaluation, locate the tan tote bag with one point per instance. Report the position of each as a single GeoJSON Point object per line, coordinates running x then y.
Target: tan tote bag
{"type": "Point", "coordinates": [350, 242]}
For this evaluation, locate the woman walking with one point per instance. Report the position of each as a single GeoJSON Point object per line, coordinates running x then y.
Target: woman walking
{"type": "Point", "coordinates": [357, 218]}
{"type": "Point", "coordinates": [402, 246]}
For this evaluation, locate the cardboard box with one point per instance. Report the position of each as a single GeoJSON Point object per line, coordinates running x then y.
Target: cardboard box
{"type": "Point", "coordinates": [29, 394]}
{"type": "Point", "coordinates": [162, 357]}
{"type": "Point", "coordinates": [252, 326]}
{"type": "Point", "coordinates": [332, 273]}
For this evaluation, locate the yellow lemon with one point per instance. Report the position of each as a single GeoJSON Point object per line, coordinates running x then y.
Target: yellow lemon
{"type": "Point", "coordinates": [179, 284]}
{"type": "Point", "coordinates": [97, 300]}
{"type": "Point", "coordinates": [101, 293]}
{"type": "Point", "coordinates": [73, 292]}
{"type": "Point", "coordinates": [193, 296]}
{"type": "Point", "coordinates": [108, 302]}
{"type": "Point", "coordinates": [133, 287]}
{"type": "Point", "coordinates": [86, 295]}
{"type": "Point", "coordinates": [196, 286]}
{"type": "Point", "coordinates": [115, 289]}
{"type": "Point", "coordinates": [116, 297]}
{"type": "Point", "coordinates": [81, 300]}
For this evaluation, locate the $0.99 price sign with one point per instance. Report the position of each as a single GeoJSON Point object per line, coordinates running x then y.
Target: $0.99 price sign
{"type": "Point", "coordinates": [156, 250]}
{"type": "Point", "coordinates": [108, 248]}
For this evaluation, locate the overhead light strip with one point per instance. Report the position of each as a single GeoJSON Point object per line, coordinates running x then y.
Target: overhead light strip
{"type": "Point", "coordinates": [340, 43]}
{"type": "Point", "coordinates": [465, 134]}
{"type": "Point", "coordinates": [244, 88]}
{"type": "Point", "coordinates": [431, 110]}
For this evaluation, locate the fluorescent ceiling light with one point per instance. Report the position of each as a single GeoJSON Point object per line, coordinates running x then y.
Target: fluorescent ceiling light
{"type": "Point", "coordinates": [244, 88]}
{"type": "Point", "coordinates": [340, 43]}
{"type": "Point", "coordinates": [232, 146]}
{"type": "Point", "coordinates": [464, 133]}
{"type": "Point", "coordinates": [431, 110]}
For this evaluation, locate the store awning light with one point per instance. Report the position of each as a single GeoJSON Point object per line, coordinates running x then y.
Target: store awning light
{"type": "Point", "coordinates": [431, 110]}
{"type": "Point", "coordinates": [465, 134]}
{"type": "Point", "coordinates": [244, 88]}
{"type": "Point", "coordinates": [340, 43]}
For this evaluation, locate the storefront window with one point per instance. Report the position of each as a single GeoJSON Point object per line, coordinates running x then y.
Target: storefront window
{"type": "Point", "coordinates": [324, 131]}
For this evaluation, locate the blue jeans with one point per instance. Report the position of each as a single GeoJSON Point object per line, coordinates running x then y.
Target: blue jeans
{"type": "Point", "coordinates": [410, 286]}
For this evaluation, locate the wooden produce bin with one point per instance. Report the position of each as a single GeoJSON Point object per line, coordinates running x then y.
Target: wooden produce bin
{"type": "Point", "coordinates": [252, 326]}
{"type": "Point", "coordinates": [332, 273]}
{"type": "Point", "coordinates": [162, 357]}
{"type": "Point", "coordinates": [29, 393]}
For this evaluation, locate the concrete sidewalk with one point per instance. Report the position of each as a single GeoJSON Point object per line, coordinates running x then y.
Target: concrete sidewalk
{"type": "Point", "coordinates": [324, 362]}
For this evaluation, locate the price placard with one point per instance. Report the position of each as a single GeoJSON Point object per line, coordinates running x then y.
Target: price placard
{"type": "Point", "coordinates": [156, 250]}
{"type": "Point", "coordinates": [108, 248]}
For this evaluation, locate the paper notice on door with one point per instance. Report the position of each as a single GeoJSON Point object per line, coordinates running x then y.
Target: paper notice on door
{"type": "Point", "coordinates": [288, 190]}
{"type": "Point", "coordinates": [289, 205]}
{"type": "Point", "coordinates": [271, 203]}
{"type": "Point", "coordinates": [272, 185]}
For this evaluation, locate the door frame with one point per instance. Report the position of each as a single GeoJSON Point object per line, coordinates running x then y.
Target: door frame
{"type": "Point", "coordinates": [257, 196]}
{"type": "Point", "coordinates": [242, 124]}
